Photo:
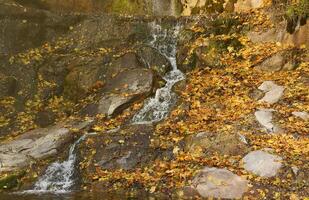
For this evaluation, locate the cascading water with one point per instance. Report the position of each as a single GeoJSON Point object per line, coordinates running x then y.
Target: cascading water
{"type": "Point", "coordinates": [59, 176]}
{"type": "Point", "coordinates": [157, 107]}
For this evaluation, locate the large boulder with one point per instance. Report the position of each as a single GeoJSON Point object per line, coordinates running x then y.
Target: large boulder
{"type": "Point", "coordinates": [123, 90]}
{"type": "Point", "coordinates": [36, 145]}
{"type": "Point", "coordinates": [219, 183]}
{"type": "Point", "coordinates": [125, 148]}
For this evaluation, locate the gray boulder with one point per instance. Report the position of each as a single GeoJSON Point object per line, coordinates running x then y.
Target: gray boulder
{"type": "Point", "coordinates": [219, 183]}
{"type": "Point", "coordinates": [262, 163]}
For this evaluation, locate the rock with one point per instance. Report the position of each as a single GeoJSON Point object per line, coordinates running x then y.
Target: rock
{"type": "Point", "coordinates": [8, 85]}
{"type": "Point", "coordinates": [273, 64]}
{"type": "Point", "coordinates": [154, 60]}
{"type": "Point", "coordinates": [219, 183]}
{"type": "Point", "coordinates": [45, 118]}
{"type": "Point", "coordinates": [124, 148]}
{"type": "Point", "coordinates": [126, 88]}
{"type": "Point", "coordinates": [302, 115]}
{"type": "Point", "coordinates": [273, 92]}
{"type": "Point", "coordinates": [247, 5]}
{"type": "Point", "coordinates": [270, 35]}
{"type": "Point", "coordinates": [28, 28]}
{"type": "Point", "coordinates": [143, 7]}
{"type": "Point", "coordinates": [262, 163]}
{"type": "Point", "coordinates": [35, 145]}
{"type": "Point", "coordinates": [209, 143]}
{"type": "Point", "coordinates": [265, 118]}
{"type": "Point", "coordinates": [279, 34]}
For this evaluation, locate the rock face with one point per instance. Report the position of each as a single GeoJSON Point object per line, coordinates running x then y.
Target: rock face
{"type": "Point", "coordinates": [158, 7]}
{"type": "Point", "coordinates": [262, 163]}
{"type": "Point", "coordinates": [272, 91]}
{"type": "Point", "coordinates": [34, 145]}
{"type": "Point", "coordinates": [279, 34]}
{"type": "Point", "coordinates": [219, 183]}
{"type": "Point", "coordinates": [209, 143]}
{"type": "Point", "coordinates": [265, 118]}
{"type": "Point", "coordinates": [124, 148]}
{"type": "Point", "coordinates": [246, 5]}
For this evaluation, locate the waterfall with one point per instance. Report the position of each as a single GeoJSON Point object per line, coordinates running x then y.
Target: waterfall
{"type": "Point", "coordinates": [59, 176]}
{"type": "Point", "coordinates": [158, 107]}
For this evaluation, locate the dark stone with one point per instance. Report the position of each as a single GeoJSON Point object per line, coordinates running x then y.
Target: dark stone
{"type": "Point", "coordinates": [45, 118]}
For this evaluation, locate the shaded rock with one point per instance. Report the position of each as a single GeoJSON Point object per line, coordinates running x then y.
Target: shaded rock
{"type": "Point", "coordinates": [209, 143]}
{"type": "Point", "coordinates": [34, 145]}
{"type": "Point", "coordinates": [265, 118]}
{"type": "Point", "coordinates": [302, 115]}
{"type": "Point", "coordinates": [124, 148]}
{"type": "Point", "coordinates": [28, 28]}
{"type": "Point", "coordinates": [273, 92]}
{"type": "Point", "coordinates": [45, 118]}
{"type": "Point", "coordinates": [262, 163]}
{"type": "Point", "coordinates": [219, 183]}
{"type": "Point", "coordinates": [153, 59]}
{"type": "Point", "coordinates": [8, 85]}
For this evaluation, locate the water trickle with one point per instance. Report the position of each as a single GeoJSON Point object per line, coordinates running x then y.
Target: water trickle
{"type": "Point", "coordinates": [59, 176]}
{"type": "Point", "coordinates": [157, 107]}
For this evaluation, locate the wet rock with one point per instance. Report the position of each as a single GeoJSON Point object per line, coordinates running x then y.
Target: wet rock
{"type": "Point", "coordinates": [153, 59]}
{"type": "Point", "coordinates": [209, 143]}
{"type": "Point", "coordinates": [302, 115]}
{"type": "Point", "coordinates": [272, 91]}
{"type": "Point", "coordinates": [124, 148]}
{"type": "Point", "coordinates": [219, 183]}
{"type": "Point", "coordinates": [262, 163]}
{"type": "Point", "coordinates": [35, 145]}
{"type": "Point", "coordinates": [265, 118]}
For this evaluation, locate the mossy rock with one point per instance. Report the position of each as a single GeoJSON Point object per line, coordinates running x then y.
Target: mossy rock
{"type": "Point", "coordinates": [10, 181]}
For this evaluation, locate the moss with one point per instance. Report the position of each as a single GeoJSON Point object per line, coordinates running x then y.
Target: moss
{"type": "Point", "coordinates": [297, 13]}
{"type": "Point", "coordinates": [10, 181]}
{"type": "Point", "coordinates": [125, 6]}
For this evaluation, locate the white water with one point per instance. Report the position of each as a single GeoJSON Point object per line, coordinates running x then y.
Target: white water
{"type": "Point", "coordinates": [158, 107]}
{"type": "Point", "coordinates": [59, 176]}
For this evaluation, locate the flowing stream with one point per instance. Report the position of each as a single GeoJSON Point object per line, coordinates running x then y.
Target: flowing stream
{"type": "Point", "coordinates": [59, 176]}
{"type": "Point", "coordinates": [158, 107]}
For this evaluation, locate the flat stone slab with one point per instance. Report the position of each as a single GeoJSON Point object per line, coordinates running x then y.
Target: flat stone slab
{"type": "Point", "coordinates": [272, 91]}
{"type": "Point", "coordinates": [265, 118]}
{"type": "Point", "coordinates": [219, 183]}
{"type": "Point", "coordinates": [262, 163]}
{"type": "Point", "coordinates": [33, 145]}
